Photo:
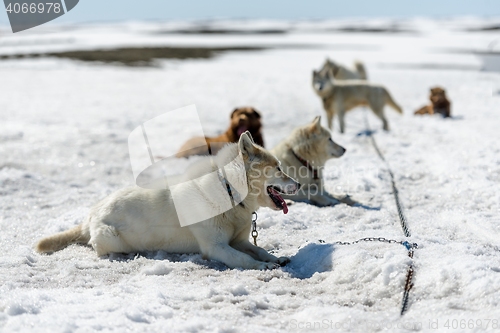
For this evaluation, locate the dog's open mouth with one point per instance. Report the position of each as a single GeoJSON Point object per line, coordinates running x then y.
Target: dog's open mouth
{"type": "Point", "coordinates": [277, 199]}
{"type": "Point", "coordinates": [241, 129]}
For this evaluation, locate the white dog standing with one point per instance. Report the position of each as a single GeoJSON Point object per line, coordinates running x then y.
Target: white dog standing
{"type": "Point", "coordinates": [341, 72]}
{"type": "Point", "coordinates": [340, 96]}
{"type": "Point", "coordinates": [136, 219]}
{"type": "Point", "coordinates": [303, 156]}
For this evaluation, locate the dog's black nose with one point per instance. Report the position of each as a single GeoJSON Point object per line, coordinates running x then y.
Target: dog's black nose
{"type": "Point", "coordinates": [298, 186]}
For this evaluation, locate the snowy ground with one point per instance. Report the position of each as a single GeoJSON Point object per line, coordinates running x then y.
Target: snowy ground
{"type": "Point", "coordinates": [63, 146]}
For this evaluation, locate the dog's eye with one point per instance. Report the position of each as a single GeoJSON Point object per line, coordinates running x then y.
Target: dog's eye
{"type": "Point", "coordinates": [330, 139]}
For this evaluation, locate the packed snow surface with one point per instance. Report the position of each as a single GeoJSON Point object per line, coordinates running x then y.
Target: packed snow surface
{"type": "Point", "coordinates": [63, 147]}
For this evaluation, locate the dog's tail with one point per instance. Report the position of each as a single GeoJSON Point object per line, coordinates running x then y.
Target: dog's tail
{"type": "Point", "coordinates": [59, 241]}
{"type": "Point", "coordinates": [392, 104]}
{"type": "Point", "coordinates": [361, 70]}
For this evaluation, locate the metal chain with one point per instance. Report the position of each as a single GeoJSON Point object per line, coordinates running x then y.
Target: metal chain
{"type": "Point", "coordinates": [408, 286]}
{"type": "Point", "coordinates": [399, 207]}
{"type": "Point", "coordinates": [409, 246]}
{"type": "Point", "coordinates": [254, 228]}
{"type": "Point", "coordinates": [402, 219]}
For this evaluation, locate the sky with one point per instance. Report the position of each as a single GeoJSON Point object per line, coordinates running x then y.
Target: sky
{"type": "Point", "coordinates": [120, 10]}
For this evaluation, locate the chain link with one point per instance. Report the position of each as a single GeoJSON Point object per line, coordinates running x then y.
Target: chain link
{"type": "Point", "coordinates": [255, 234]}
{"type": "Point", "coordinates": [409, 246]}
{"type": "Point", "coordinates": [408, 286]}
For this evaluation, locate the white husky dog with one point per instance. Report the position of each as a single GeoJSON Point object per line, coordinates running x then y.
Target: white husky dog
{"type": "Point", "coordinates": [137, 219]}
{"type": "Point", "coordinates": [303, 156]}
{"type": "Point", "coordinates": [341, 72]}
{"type": "Point", "coordinates": [340, 96]}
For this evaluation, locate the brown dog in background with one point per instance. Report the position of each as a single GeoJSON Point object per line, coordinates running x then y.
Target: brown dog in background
{"type": "Point", "coordinates": [439, 103]}
{"type": "Point", "coordinates": [242, 119]}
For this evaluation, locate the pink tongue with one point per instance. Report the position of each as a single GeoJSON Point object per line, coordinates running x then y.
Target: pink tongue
{"type": "Point", "coordinates": [282, 201]}
{"type": "Point", "coordinates": [241, 130]}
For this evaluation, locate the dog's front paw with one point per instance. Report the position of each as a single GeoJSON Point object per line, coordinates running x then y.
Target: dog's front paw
{"type": "Point", "coordinates": [282, 261]}
{"type": "Point", "coordinates": [268, 265]}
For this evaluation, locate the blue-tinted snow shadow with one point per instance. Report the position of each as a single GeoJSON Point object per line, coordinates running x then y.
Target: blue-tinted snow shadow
{"type": "Point", "coordinates": [366, 132]}
{"type": "Point", "coordinates": [360, 205]}
{"type": "Point", "coordinates": [313, 258]}
{"type": "Point", "coordinates": [194, 258]}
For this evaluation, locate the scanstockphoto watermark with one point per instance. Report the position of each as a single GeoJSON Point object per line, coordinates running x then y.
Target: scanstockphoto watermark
{"type": "Point", "coordinates": [345, 179]}
{"type": "Point", "coordinates": [26, 14]}
{"type": "Point", "coordinates": [448, 324]}
{"type": "Point", "coordinates": [323, 324]}
{"type": "Point", "coordinates": [272, 172]}
{"type": "Point", "coordinates": [346, 325]}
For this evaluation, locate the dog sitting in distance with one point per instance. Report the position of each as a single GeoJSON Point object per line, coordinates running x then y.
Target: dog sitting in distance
{"type": "Point", "coordinates": [439, 104]}
{"type": "Point", "coordinates": [340, 96]}
{"type": "Point", "coordinates": [303, 155]}
{"type": "Point", "coordinates": [341, 72]}
{"type": "Point", "coordinates": [136, 219]}
{"type": "Point", "coordinates": [241, 120]}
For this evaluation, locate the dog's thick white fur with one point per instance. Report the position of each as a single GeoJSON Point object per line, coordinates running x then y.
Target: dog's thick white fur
{"type": "Point", "coordinates": [136, 219]}
{"type": "Point", "coordinates": [341, 72]}
{"type": "Point", "coordinates": [303, 155]}
{"type": "Point", "coordinates": [340, 96]}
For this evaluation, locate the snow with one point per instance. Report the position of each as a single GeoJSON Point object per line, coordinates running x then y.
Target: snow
{"type": "Point", "coordinates": [63, 146]}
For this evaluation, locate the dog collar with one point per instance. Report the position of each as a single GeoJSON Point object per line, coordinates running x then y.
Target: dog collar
{"type": "Point", "coordinates": [306, 164]}
{"type": "Point", "coordinates": [233, 194]}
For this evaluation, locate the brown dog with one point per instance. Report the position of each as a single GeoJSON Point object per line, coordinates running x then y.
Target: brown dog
{"type": "Point", "coordinates": [439, 103]}
{"type": "Point", "coordinates": [242, 119]}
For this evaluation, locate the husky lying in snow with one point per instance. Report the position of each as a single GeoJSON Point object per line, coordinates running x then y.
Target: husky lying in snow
{"type": "Point", "coordinates": [439, 103]}
{"type": "Point", "coordinates": [341, 96]}
{"type": "Point", "coordinates": [136, 219]}
{"type": "Point", "coordinates": [343, 73]}
{"type": "Point", "coordinates": [303, 156]}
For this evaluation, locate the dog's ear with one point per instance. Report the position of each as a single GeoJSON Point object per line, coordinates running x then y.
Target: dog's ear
{"type": "Point", "coordinates": [437, 90]}
{"type": "Point", "coordinates": [316, 124]}
{"type": "Point", "coordinates": [232, 113]}
{"type": "Point", "coordinates": [250, 136]}
{"type": "Point", "coordinates": [257, 114]}
{"type": "Point", "coordinates": [315, 73]}
{"type": "Point", "coordinates": [246, 145]}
